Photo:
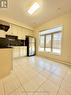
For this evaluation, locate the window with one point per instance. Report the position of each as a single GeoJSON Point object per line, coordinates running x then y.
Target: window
{"type": "Point", "coordinates": [57, 42]}
{"type": "Point", "coordinates": [50, 40]}
{"type": "Point", "coordinates": [48, 43]}
{"type": "Point", "coordinates": [41, 47]}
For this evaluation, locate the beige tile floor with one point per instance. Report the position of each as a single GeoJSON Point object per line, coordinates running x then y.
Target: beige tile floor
{"type": "Point", "coordinates": [37, 76]}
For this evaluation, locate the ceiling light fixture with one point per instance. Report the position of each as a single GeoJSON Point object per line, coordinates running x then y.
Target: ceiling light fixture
{"type": "Point", "coordinates": [33, 8]}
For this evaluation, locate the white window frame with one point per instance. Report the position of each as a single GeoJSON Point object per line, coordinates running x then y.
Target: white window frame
{"type": "Point", "coordinates": [51, 32]}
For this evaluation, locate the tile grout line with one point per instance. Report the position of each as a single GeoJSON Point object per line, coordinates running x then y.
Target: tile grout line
{"type": "Point", "coordinates": [32, 91]}
{"type": "Point", "coordinates": [45, 71]}
{"type": "Point", "coordinates": [21, 84]}
{"type": "Point", "coordinates": [61, 84]}
{"type": "Point", "coordinates": [14, 90]}
{"type": "Point", "coordinates": [40, 86]}
{"type": "Point", "coordinates": [11, 91]}
{"type": "Point", "coordinates": [45, 77]}
{"type": "Point", "coordinates": [44, 82]}
{"type": "Point", "coordinates": [41, 73]}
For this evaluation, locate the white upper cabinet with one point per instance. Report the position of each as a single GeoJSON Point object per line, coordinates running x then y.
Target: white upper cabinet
{"type": "Point", "coordinates": [12, 30]}
{"type": "Point", "coordinates": [16, 51]}
{"type": "Point", "coordinates": [21, 34]}
{"type": "Point", "coordinates": [2, 33]}
{"type": "Point", "coordinates": [15, 30]}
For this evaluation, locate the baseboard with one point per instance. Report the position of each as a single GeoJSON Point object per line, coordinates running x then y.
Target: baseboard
{"type": "Point", "coordinates": [56, 60]}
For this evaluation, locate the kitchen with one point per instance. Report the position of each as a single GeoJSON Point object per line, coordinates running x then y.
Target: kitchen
{"type": "Point", "coordinates": [15, 45]}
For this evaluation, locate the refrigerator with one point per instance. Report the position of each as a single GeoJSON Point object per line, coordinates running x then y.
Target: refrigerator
{"type": "Point", "coordinates": [31, 45]}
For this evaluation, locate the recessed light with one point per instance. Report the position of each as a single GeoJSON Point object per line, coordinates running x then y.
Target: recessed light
{"type": "Point", "coordinates": [33, 8]}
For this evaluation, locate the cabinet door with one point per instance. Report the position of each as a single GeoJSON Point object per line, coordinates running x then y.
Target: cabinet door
{"type": "Point", "coordinates": [23, 51]}
{"type": "Point", "coordinates": [16, 52]}
{"type": "Point", "coordinates": [2, 33]}
{"type": "Point", "coordinates": [13, 30]}
{"type": "Point", "coordinates": [19, 33]}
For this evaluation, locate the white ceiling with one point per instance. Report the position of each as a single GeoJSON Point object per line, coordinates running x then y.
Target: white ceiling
{"type": "Point", "coordinates": [49, 9]}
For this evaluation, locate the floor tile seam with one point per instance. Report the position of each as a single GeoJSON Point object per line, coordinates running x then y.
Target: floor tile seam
{"type": "Point", "coordinates": [13, 90]}
{"type": "Point", "coordinates": [35, 90]}
{"type": "Point", "coordinates": [65, 89]}
{"type": "Point", "coordinates": [21, 84]}
{"type": "Point", "coordinates": [39, 73]}
{"type": "Point", "coordinates": [61, 84]}
{"type": "Point", "coordinates": [48, 75]}
{"type": "Point", "coordinates": [54, 82]}
{"type": "Point", "coordinates": [48, 70]}
{"type": "Point", "coordinates": [30, 78]}
{"type": "Point", "coordinates": [40, 86]}
{"type": "Point", "coordinates": [32, 90]}
{"type": "Point", "coordinates": [57, 75]}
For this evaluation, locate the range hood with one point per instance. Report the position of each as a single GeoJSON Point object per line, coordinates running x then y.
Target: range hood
{"type": "Point", "coordinates": [4, 25]}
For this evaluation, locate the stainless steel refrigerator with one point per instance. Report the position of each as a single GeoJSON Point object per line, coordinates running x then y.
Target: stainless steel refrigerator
{"type": "Point", "coordinates": [31, 45]}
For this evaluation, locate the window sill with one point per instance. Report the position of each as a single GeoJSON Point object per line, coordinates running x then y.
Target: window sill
{"type": "Point", "coordinates": [52, 53]}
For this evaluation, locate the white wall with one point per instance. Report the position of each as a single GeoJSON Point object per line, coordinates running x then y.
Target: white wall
{"type": "Point", "coordinates": [66, 38]}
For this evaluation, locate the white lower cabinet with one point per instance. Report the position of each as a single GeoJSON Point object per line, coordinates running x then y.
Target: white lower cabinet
{"type": "Point", "coordinates": [23, 51]}
{"type": "Point", "coordinates": [19, 51]}
{"type": "Point", "coordinates": [15, 52]}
